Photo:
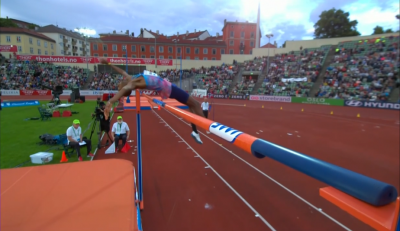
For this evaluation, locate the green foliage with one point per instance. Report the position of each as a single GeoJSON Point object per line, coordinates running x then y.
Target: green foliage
{"type": "Point", "coordinates": [335, 23]}
{"type": "Point", "coordinates": [5, 22]}
{"type": "Point", "coordinates": [380, 30]}
{"type": "Point", "coordinates": [32, 26]}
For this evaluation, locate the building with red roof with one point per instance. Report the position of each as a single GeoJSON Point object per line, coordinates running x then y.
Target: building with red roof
{"type": "Point", "coordinates": [237, 38]}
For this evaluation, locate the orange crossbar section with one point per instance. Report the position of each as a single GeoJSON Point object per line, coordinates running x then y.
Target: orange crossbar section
{"type": "Point", "coordinates": [243, 141]}
{"type": "Point", "coordinates": [382, 218]}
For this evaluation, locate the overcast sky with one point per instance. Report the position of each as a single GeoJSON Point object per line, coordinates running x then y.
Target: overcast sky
{"type": "Point", "coordinates": [286, 19]}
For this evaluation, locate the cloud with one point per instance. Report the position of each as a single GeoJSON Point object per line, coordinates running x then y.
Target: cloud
{"type": "Point", "coordinates": [369, 16]}
{"type": "Point", "coordinates": [287, 20]}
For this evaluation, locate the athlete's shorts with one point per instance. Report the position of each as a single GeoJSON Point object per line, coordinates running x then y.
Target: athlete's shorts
{"type": "Point", "coordinates": [180, 95]}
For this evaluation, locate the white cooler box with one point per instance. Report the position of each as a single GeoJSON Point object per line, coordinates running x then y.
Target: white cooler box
{"type": "Point", "coordinates": [41, 157]}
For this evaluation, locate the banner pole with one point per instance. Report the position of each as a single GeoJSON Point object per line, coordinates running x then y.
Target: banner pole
{"type": "Point", "coordinates": [139, 149]}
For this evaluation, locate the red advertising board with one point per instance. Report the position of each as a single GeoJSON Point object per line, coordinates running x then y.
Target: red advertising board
{"type": "Point", "coordinates": [8, 48]}
{"type": "Point", "coordinates": [92, 60]}
{"type": "Point", "coordinates": [34, 92]}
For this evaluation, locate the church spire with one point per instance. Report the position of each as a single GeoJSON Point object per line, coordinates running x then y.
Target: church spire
{"type": "Point", "coordinates": [258, 35]}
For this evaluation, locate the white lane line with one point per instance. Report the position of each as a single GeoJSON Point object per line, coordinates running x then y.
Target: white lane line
{"type": "Point", "coordinates": [216, 173]}
{"type": "Point", "coordinates": [270, 178]}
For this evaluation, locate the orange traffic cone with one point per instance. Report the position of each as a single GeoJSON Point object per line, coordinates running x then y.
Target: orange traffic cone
{"type": "Point", "coordinates": [63, 157]}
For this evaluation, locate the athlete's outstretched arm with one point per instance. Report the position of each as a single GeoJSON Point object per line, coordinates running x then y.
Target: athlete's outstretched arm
{"type": "Point", "coordinates": [117, 69]}
{"type": "Point", "coordinates": [125, 91]}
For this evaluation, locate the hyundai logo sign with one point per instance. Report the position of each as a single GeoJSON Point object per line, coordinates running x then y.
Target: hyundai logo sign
{"type": "Point", "coordinates": [353, 103]}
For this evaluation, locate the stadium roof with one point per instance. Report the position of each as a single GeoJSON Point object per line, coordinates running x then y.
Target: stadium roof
{"type": "Point", "coordinates": [213, 38]}
{"type": "Point", "coordinates": [15, 30]}
{"type": "Point", "coordinates": [129, 39]}
{"type": "Point", "coordinates": [244, 23]}
{"type": "Point", "coordinates": [268, 45]}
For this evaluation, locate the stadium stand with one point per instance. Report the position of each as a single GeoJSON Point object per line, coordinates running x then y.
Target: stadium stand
{"type": "Point", "coordinates": [20, 75]}
{"type": "Point", "coordinates": [252, 70]}
{"type": "Point", "coordinates": [294, 74]}
{"type": "Point", "coordinates": [362, 70]}
{"type": "Point", "coordinates": [216, 80]}
{"type": "Point", "coordinates": [105, 81]}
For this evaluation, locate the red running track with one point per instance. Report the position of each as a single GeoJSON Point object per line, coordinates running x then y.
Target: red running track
{"type": "Point", "coordinates": [181, 194]}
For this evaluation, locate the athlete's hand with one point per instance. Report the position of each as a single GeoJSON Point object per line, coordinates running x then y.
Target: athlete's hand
{"type": "Point", "coordinates": [107, 110]}
{"type": "Point", "coordinates": [103, 61]}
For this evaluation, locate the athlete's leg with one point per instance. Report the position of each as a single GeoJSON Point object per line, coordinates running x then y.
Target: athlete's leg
{"type": "Point", "coordinates": [194, 107]}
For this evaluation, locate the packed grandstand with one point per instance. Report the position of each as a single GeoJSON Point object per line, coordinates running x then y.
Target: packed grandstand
{"type": "Point", "coordinates": [361, 70]}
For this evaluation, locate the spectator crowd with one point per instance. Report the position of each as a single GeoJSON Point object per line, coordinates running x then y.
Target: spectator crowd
{"type": "Point", "coordinates": [365, 70]}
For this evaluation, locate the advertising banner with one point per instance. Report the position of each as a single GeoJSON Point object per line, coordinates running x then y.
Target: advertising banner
{"type": "Point", "coordinates": [9, 92]}
{"type": "Point", "coordinates": [294, 79]}
{"type": "Point", "coordinates": [8, 48]}
{"type": "Point", "coordinates": [93, 60]}
{"type": "Point", "coordinates": [244, 97]}
{"type": "Point", "coordinates": [34, 92]}
{"type": "Point", "coordinates": [270, 98]}
{"type": "Point", "coordinates": [320, 101]}
{"type": "Point", "coordinates": [20, 103]}
{"type": "Point", "coordinates": [372, 104]}
{"type": "Point", "coordinates": [218, 96]}
{"type": "Point", "coordinates": [199, 93]}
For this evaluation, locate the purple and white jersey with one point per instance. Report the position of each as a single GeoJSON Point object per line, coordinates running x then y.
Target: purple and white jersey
{"type": "Point", "coordinates": [158, 84]}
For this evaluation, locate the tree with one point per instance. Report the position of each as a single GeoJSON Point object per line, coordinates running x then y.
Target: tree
{"type": "Point", "coordinates": [32, 26]}
{"type": "Point", "coordinates": [284, 44]}
{"type": "Point", "coordinates": [5, 22]}
{"type": "Point", "coordinates": [335, 23]}
{"type": "Point", "coordinates": [380, 30]}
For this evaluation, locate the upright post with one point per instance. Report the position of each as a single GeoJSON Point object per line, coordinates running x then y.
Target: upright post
{"type": "Point", "coordinates": [139, 148]}
{"type": "Point", "coordinates": [180, 77]}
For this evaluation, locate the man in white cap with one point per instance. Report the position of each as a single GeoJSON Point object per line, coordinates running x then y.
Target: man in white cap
{"type": "Point", "coordinates": [120, 131]}
{"type": "Point", "coordinates": [75, 140]}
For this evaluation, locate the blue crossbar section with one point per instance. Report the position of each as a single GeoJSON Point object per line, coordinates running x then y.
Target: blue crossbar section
{"type": "Point", "coordinates": [139, 154]}
{"type": "Point", "coordinates": [159, 102]}
{"type": "Point", "coordinates": [367, 189]}
{"type": "Point", "coordinates": [138, 218]}
{"type": "Point", "coordinates": [398, 224]}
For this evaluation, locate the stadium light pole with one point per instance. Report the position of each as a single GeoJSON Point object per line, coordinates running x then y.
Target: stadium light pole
{"type": "Point", "coordinates": [269, 38]}
{"type": "Point", "coordinates": [85, 33]}
{"type": "Point", "coordinates": [176, 62]}
{"type": "Point", "coordinates": [398, 46]}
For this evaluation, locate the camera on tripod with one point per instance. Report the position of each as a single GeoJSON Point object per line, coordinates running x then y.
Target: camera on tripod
{"type": "Point", "coordinates": [104, 125]}
{"type": "Point", "coordinates": [99, 112]}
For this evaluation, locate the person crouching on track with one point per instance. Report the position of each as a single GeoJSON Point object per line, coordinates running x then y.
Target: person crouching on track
{"type": "Point", "coordinates": [120, 130]}
{"type": "Point", "coordinates": [74, 136]}
{"type": "Point", "coordinates": [155, 83]}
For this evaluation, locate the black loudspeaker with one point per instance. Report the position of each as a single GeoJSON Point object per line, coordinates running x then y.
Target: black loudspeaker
{"type": "Point", "coordinates": [82, 97]}
{"type": "Point", "coordinates": [76, 92]}
{"type": "Point", "coordinates": [72, 96]}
